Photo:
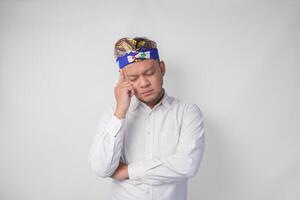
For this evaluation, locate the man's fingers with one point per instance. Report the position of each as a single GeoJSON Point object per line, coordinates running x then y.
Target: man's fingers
{"type": "Point", "coordinates": [129, 88]}
{"type": "Point", "coordinates": [125, 84]}
{"type": "Point", "coordinates": [121, 76]}
{"type": "Point", "coordinates": [132, 92]}
{"type": "Point", "coordinates": [124, 77]}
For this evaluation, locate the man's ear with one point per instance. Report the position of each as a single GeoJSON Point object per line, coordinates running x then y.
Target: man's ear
{"type": "Point", "coordinates": [162, 67]}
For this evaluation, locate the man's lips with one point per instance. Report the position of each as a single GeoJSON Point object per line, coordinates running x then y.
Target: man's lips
{"type": "Point", "coordinates": [147, 92]}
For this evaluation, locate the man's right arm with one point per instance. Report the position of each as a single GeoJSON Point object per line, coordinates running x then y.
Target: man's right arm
{"type": "Point", "coordinates": [105, 152]}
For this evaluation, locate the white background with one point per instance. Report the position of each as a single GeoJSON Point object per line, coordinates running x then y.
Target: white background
{"type": "Point", "coordinates": [238, 60]}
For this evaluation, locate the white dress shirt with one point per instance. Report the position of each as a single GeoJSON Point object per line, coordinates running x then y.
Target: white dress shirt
{"type": "Point", "coordinates": [162, 146]}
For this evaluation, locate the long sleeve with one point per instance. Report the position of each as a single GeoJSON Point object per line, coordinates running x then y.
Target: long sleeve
{"type": "Point", "coordinates": [182, 164]}
{"type": "Point", "coordinates": [105, 152]}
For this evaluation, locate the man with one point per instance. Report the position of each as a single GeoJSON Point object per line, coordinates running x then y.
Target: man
{"type": "Point", "coordinates": [149, 142]}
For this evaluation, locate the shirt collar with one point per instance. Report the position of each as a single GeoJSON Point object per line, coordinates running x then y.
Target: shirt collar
{"type": "Point", "coordinates": [165, 101]}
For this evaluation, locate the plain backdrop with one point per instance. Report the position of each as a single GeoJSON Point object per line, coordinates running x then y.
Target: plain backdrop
{"type": "Point", "coordinates": [237, 59]}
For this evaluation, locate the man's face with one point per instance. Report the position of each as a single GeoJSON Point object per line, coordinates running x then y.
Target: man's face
{"type": "Point", "coordinates": [146, 78]}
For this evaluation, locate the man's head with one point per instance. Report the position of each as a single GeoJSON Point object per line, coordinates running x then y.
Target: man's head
{"type": "Point", "coordinates": [145, 74]}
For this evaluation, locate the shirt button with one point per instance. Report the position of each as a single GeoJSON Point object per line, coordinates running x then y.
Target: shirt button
{"type": "Point", "coordinates": [149, 133]}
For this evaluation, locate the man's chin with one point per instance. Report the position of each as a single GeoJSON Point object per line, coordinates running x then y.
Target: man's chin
{"type": "Point", "coordinates": [150, 98]}
{"type": "Point", "coordinates": [147, 99]}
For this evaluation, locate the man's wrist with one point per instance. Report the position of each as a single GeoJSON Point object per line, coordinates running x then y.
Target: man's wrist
{"type": "Point", "coordinates": [127, 175]}
{"type": "Point", "coordinates": [119, 115]}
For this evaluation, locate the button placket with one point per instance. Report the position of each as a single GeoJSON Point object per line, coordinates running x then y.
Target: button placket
{"type": "Point", "coordinates": [149, 137]}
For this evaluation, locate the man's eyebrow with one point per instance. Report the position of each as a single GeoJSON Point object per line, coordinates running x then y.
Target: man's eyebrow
{"type": "Point", "coordinates": [132, 75]}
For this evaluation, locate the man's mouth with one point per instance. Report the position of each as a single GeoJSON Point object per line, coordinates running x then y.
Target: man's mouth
{"type": "Point", "coordinates": [147, 92]}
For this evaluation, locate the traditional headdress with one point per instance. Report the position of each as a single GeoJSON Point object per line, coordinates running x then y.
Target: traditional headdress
{"type": "Point", "coordinates": [129, 50]}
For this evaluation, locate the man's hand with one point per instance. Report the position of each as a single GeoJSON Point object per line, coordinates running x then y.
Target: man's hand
{"type": "Point", "coordinates": [123, 93]}
{"type": "Point", "coordinates": [121, 172]}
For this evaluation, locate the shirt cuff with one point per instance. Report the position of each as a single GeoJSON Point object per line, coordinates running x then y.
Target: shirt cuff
{"type": "Point", "coordinates": [115, 125]}
{"type": "Point", "coordinates": [138, 170]}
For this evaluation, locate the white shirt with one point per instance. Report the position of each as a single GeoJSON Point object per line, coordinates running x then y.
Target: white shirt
{"type": "Point", "coordinates": [162, 146]}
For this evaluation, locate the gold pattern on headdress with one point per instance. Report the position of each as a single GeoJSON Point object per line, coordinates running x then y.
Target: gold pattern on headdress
{"type": "Point", "coordinates": [126, 45]}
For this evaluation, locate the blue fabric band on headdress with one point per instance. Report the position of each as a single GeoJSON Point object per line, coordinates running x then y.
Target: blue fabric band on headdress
{"type": "Point", "coordinates": [138, 55]}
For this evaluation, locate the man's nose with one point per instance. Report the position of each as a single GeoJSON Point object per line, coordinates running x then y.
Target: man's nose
{"type": "Point", "coordinates": [144, 82]}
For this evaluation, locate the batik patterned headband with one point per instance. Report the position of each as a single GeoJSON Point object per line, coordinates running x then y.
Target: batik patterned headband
{"type": "Point", "coordinates": [132, 57]}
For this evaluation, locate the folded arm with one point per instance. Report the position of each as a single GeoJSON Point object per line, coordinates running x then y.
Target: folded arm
{"type": "Point", "coordinates": [105, 152]}
{"type": "Point", "coordinates": [181, 165]}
